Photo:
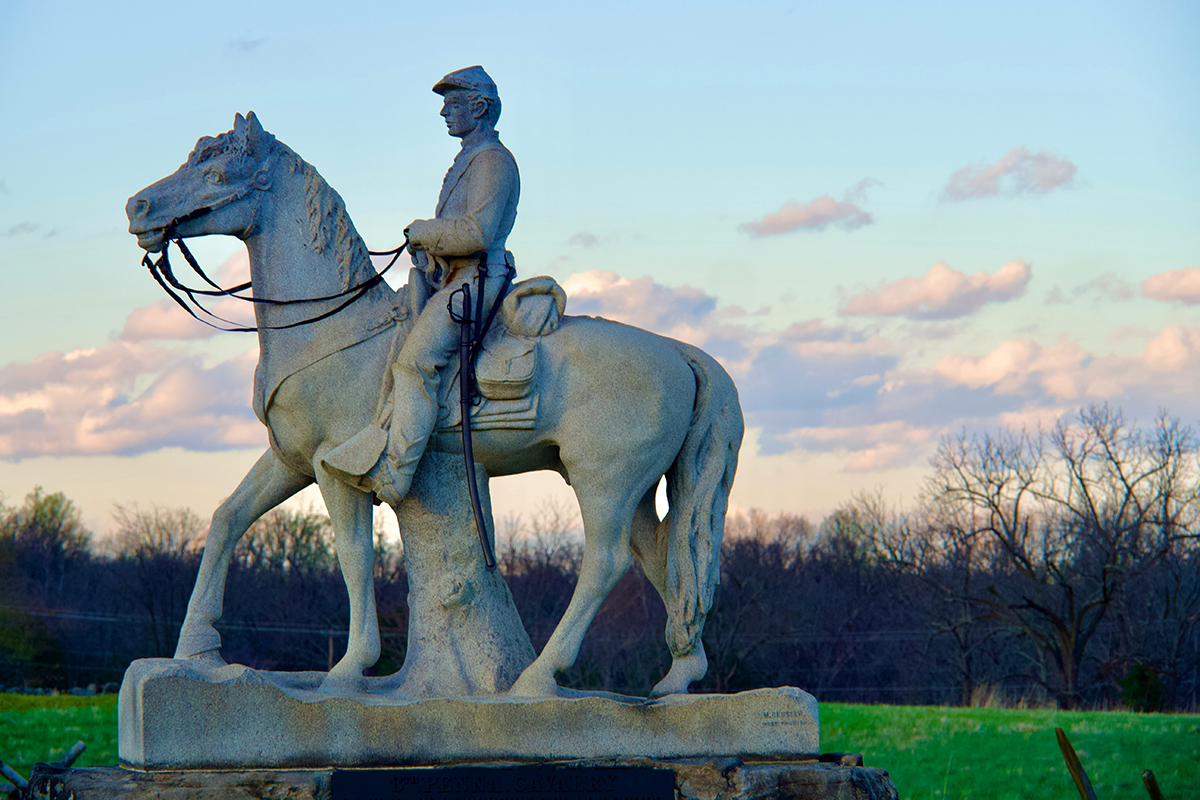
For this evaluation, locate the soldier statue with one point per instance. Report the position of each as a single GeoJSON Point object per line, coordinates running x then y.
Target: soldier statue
{"type": "Point", "coordinates": [463, 244]}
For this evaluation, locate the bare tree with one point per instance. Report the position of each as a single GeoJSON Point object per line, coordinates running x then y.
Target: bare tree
{"type": "Point", "coordinates": [158, 552]}
{"type": "Point", "coordinates": [157, 532]}
{"type": "Point", "coordinates": [289, 541]}
{"type": "Point", "coordinates": [1057, 524]}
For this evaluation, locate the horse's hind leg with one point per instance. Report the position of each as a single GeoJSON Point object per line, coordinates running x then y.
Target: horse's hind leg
{"type": "Point", "coordinates": [606, 525]}
{"type": "Point", "coordinates": [649, 545]}
{"type": "Point", "coordinates": [265, 486]}
{"type": "Point", "coordinates": [350, 511]}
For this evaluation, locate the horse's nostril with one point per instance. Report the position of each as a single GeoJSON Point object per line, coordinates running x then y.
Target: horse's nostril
{"type": "Point", "coordinates": [142, 208]}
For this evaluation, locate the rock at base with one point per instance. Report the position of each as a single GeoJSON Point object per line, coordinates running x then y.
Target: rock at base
{"type": "Point", "coordinates": [695, 779]}
{"type": "Point", "coordinates": [465, 636]}
{"type": "Point", "coordinates": [174, 714]}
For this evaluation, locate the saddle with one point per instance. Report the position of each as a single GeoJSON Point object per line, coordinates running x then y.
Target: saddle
{"type": "Point", "coordinates": [505, 372]}
{"type": "Point", "coordinates": [506, 369]}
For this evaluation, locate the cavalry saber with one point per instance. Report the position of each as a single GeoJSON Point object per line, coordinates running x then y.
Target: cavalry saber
{"type": "Point", "coordinates": [465, 342]}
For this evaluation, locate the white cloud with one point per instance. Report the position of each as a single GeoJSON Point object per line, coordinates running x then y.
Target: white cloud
{"type": "Point", "coordinates": [1067, 372]}
{"type": "Point", "coordinates": [1012, 365]}
{"type": "Point", "coordinates": [638, 301]}
{"type": "Point", "coordinates": [941, 293]}
{"type": "Point", "coordinates": [817, 215]}
{"type": "Point", "coordinates": [1174, 348]}
{"type": "Point", "coordinates": [785, 378]}
{"type": "Point", "coordinates": [871, 447]}
{"type": "Point", "coordinates": [164, 319]}
{"type": "Point", "coordinates": [1179, 285]}
{"type": "Point", "coordinates": [124, 398]}
{"type": "Point", "coordinates": [1018, 171]}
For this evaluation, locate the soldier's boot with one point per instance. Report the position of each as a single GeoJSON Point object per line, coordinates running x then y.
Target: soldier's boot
{"type": "Point", "coordinates": [383, 457]}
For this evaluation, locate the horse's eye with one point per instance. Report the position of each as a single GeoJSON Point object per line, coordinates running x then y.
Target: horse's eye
{"type": "Point", "coordinates": [214, 176]}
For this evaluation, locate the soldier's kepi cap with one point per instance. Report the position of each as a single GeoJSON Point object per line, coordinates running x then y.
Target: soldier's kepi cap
{"type": "Point", "coordinates": [469, 78]}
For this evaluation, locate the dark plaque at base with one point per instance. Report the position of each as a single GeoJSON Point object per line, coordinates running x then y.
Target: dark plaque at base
{"type": "Point", "coordinates": [524, 782]}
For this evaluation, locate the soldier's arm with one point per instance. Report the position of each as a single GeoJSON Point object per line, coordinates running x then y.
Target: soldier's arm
{"type": "Point", "coordinates": [490, 181]}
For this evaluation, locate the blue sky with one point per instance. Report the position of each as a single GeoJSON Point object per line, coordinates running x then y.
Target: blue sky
{"type": "Point", "coordinates": [654, 141]}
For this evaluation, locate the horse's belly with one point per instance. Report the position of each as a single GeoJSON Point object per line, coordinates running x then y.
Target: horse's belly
{"type": "Point", "coordinates": [502, 452]}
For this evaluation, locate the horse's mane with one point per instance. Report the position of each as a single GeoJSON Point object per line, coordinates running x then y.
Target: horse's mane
{"type": "Point", "coordinates": [329, 226]}
{"type": "Point", "coordinates": [328, 223]}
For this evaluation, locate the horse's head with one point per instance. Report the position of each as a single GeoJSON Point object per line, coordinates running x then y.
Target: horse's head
{"type": "Point", "coordinates": [214, 191]}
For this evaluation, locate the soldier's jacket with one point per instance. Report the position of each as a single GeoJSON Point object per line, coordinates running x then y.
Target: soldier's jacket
{"type": "Point", "coordinates": [475, 211]}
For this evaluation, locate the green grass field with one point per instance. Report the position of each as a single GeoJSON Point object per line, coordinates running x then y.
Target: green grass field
{"type": "Point", "coordinates": [34, 729]}
{"type": "Point", "coordinates": [930, 752]}
{"type": "Point", "coordinates": [1003, 754]}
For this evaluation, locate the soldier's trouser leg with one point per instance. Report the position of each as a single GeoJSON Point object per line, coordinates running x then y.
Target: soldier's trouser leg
{"type": "Point", "coordinates": [417, 375]}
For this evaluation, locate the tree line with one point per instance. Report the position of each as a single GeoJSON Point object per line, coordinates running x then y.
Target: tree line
{"type": "Point", "coordinates": [1055, 567]}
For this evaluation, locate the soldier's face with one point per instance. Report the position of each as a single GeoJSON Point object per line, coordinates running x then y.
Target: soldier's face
{"type": "Point", "coordinates": [456, 110]}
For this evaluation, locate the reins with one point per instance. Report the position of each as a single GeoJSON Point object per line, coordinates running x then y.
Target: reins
{"type": "Point", "coordinates": [165, 277]}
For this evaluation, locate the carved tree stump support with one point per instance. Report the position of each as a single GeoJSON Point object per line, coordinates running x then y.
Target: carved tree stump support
{"type": "Point", "coordinates": [465, 637]}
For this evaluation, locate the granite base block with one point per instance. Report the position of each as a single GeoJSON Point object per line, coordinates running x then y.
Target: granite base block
{"type": "Point", "coordinates": [176, 715]}
{"type": "Point", "coordinates": [695, 779]}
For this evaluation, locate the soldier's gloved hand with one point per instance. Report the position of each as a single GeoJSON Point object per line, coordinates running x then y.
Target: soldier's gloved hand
{"type": "Point", "coordinates": [416, 250]}
{"type": "Point", "coordinates": [420, 232]}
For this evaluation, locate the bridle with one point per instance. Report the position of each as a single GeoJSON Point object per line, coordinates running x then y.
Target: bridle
{"type": "Point", "coordinates": [473, 326]}
{"type": "Point", "coordinates": [165, 277]}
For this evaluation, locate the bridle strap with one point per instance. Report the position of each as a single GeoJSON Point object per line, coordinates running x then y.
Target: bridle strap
{"type": "Point", "coordinates": [165, 277]}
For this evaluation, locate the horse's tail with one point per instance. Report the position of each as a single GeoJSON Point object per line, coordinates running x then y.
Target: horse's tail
{"type": "Point", "coordinates": [698, 485]}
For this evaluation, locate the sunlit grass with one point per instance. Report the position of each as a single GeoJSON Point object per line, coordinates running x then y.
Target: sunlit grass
{"type": "Point", "coordinates": [34, 729]}
{"type": "Point", "coordinates": [934, 752]}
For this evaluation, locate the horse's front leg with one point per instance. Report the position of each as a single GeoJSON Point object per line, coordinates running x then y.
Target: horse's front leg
{"type": "Point", "coordinates": [350, 511]}
{"type": "Point", "coordinates": [267, 485]}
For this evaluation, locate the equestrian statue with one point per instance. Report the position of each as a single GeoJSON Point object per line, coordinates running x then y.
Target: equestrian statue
{"type": "Point", "coordinates": [355, 381]}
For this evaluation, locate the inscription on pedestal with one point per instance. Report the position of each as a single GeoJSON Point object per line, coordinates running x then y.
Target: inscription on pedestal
{"type": "Point", "coordinates": [505, 783]}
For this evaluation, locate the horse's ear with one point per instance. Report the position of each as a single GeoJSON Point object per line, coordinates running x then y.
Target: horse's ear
{"type": "Point", "coordinates": [239, 124]}
{"type": "Point", "coordinates": [257, 139]}
{"type": "Point", "coordinates": [254, 129]}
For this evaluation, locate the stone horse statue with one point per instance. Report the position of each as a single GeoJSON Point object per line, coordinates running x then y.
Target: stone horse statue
{"type": "Point", "coordinates": [617, 409]}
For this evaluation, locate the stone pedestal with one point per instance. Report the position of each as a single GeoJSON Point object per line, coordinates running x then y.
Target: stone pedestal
{"type": "Point", "coordinates": [174, 714]}
{"type": "Point", "coordinates": [695, 779]}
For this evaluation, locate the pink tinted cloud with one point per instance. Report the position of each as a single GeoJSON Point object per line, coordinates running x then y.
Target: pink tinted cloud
{"type": "Point", "coordinates": [1061, 370]}
{"type": "Point", "coordinates": [638, 301]}
{"type": "Point", "coordinates": [847, 389]}
{"type": "Point", "coordinates": [124, 397]}
{"type": "Point", "coordinates": [817, 215]}
{"type": "Point", "coordinates": [1178, 285]}
{"type": "Point", "coordinates": [1065, 371]}
{"type": "Point", "coordinates": [1173, 348]}
{"type": "Point", "coordinates": [164, 319]}
{"type": "Point", "coordinates": [941, 293]}
{"type": "Point", "coordinates": [1019, 171]}
{"type": "Point", "coordinates": [871, 447]}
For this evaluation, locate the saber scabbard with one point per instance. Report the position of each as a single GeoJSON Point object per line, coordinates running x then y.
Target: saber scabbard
{"type": "Point", "coordinates": [465, 342]}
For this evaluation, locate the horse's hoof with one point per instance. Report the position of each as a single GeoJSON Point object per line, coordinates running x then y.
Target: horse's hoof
{"type": "Point", "coordinates": [199, 644]}
{"type": "Point", "coordinates": [684, 671]}
{"type": "Point", "coordinates": [343, 682]}
{"type": "Point", "coordinates": [534, 684]}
